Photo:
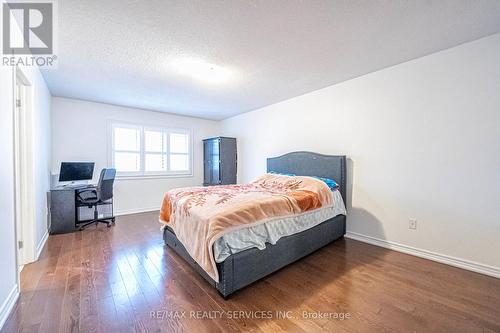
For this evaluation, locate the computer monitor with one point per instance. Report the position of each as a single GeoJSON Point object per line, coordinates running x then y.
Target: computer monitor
{"type": "Point", "coordinates": [74, 171]}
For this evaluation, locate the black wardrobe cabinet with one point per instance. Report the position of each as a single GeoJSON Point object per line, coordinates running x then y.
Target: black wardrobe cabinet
{"type": "Point", "coordinates": [219, 161]}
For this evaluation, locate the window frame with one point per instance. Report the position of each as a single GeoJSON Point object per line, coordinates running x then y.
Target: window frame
{"type": "Point", "coordinates": [142, 173]}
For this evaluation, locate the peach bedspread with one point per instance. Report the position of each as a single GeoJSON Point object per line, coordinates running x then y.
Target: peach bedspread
{"type": "Point", "coordinates": [201, 215]}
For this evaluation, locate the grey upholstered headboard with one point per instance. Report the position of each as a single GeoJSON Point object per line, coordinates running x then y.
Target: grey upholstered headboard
{"type": "Point", "coordinates": [303, 163]}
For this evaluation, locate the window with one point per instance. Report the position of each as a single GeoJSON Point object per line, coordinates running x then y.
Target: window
{"type": "Point", "coordinates": [179, 151]}
{"type": "Point", "coordinates": [150, 151]}
{"type": "Point", "coordinates": [155, 149]}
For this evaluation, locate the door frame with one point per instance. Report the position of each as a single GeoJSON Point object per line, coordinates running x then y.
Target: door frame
{"type": "Point", "coordinates": [23, 169]}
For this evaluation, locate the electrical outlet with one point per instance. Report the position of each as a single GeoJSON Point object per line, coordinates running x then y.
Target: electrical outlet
{"type": "Point", "coordinates": [412, 224]}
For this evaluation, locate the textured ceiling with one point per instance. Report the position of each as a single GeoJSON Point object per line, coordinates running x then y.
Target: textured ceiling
{"type": "Point", "coordinates": [121, 51]}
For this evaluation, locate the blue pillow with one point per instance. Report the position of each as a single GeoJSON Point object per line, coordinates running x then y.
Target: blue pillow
{"type": "Point", "coordinates": [283, 174]}
{"type": "Point", "coordinates": [332, 184]}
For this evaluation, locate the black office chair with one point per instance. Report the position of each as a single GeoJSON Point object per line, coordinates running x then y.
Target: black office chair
{"type": "Point", "coordinates": [101, 195]}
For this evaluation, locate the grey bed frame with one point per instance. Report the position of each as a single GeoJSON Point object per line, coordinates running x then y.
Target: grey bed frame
{"type": "Point", "coordinates": [243, 268]}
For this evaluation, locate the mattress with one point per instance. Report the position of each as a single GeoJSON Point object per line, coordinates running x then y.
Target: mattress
{"type": "Point", "coordinates": [270, 232]}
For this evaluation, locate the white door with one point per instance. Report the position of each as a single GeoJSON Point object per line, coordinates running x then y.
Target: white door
{"type": "Point", "coordinates": [19, 164]}
{"type": "Point", "coordinates": [23, 170]}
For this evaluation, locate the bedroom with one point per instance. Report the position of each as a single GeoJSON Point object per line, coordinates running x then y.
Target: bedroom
{"type": "Point", "coordinates": [245, 104]}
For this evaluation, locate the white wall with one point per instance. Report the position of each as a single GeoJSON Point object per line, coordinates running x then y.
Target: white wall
{"type": "Point", "coordinates": [39, 175]}
{"type": "Point", "coordinates": [8, 276]}
{"type": "Point", "coordinates": [80, 133]}
{"type": "Point", "coordinates": [424, 142]}
{"type": "Point", "coordinates": [41, 111]}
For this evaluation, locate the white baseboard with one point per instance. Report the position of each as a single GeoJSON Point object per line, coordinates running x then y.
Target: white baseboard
{"type": "Point", "coordinates": [441, 258]}
{"type": "Point", "coordinates": [41, 244]}
{"type": "Point", "coordinates": [8, 305]}
{"type": "Point", "coordinates": [136, 211]}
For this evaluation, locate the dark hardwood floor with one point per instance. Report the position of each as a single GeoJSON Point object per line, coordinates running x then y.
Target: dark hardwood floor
{"type": "Point", "coordinates": [123, 279]}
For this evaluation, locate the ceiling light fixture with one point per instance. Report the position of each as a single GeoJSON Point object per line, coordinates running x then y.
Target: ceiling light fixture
{"type": "Point", "coordinates": [202, 70]}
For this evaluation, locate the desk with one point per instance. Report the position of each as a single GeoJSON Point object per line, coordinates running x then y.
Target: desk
{"type": "Point", "coordinates": [65, 213]}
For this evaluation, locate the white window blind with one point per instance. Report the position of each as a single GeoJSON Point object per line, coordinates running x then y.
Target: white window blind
{"type": "Point", "coordinates": [155, 150]}
{"type": "Point", "coordinates": [179, 151]}
{"type": "Point", "coordinates": [127, 149]}
{"type": "Point", "coordinates": [148, 151]}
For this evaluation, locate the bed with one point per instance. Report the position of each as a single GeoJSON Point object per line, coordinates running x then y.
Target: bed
{"type": "Point", "coordinates": [243, 268]}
